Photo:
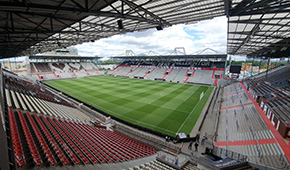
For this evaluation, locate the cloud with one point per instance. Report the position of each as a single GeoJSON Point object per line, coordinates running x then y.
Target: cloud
{"type": "Point", "coordinates": [194, 38]}
{"type": "Point", "coordinates": [238, 57]}
{"type": "Point", "coordinates": [210, 34]}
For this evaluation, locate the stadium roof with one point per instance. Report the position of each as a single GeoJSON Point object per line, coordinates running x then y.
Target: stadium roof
{"type": "Point", "coordinates": [62, 54]}
{"type": "Point", "coordinates": [35, 26]}
{"type": "Point", "coordinates": [195, 57]}
{"type": "Point", "coordinates": [259, 28]}
{"type": "Point", "coordinates": [55, 57]}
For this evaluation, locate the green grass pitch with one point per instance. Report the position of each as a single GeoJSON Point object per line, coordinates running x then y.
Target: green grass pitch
{"type": "Point", "coordinates": [161, 106]}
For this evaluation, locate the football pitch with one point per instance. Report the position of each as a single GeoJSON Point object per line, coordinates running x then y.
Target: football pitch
{"type": "Point", "coordinates": [165, 107]}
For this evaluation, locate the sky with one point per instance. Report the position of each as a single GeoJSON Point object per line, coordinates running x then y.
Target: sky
{"type": "Point", "coordinates": [193, 38]}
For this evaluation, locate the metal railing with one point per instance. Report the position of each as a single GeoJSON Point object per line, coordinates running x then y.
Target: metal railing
{"type": "Point", "coordinates": [260, 154]}
{"type": "Point", "coordinates": [234, 155]}
{"type": "Point", "coordinates": [146, 138]}
{"type": "Point", "coordinates": [284, 162]}
{"type": "Point", "coordinates": [93, 112]}
{"type": "Point", "coordinates": [171, 159]}
{"type": "Point", "coordinates": [179, 161]}
{"type": "Point", "coordinates": [218, 116]}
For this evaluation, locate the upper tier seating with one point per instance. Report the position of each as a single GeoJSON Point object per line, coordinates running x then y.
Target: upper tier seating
{"type": "Point", "coordinates": [272, 94]}
{"type": "Point", "coordinates": [278, 77]}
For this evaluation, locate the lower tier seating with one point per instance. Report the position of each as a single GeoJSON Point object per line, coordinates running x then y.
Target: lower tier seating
{"type": "Point", "coordinates": [56, 142]}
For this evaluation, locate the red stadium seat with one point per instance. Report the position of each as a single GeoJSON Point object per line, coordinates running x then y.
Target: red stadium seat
{"type": "Point", "coordinates": [18, 151]}
{"type": "Point", "coordinates": [34, 152]}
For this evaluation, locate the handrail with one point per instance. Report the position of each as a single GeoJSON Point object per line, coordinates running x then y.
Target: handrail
{"type": "Point", "coordinates": [145, 138]}
{"type": "Point", "coordinates": [217, 119]}
{"type": "Point", "coordinates": [231, 154]}
{"type": "Point", "coordinates": [260, 154]}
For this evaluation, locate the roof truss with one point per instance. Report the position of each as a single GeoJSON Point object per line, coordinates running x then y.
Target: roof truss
{"type": "Point", "coordinates": [259, 28]}
{"type": "Point", "coordinates": [30, 27]}
{"type": "Point", "coordinates": [255, 27]}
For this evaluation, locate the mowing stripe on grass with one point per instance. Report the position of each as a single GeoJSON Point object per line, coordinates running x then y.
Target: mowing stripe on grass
{"type": "Point", "coordinates": [189, 114]}
{"type": "Point", "coordinates": [135, 120]}
{"type": "Point", "coordinates": [161, 106]}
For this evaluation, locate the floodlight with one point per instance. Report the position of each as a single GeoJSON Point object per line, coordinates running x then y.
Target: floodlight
{"type": "Point", "coordinates": [120, 24]}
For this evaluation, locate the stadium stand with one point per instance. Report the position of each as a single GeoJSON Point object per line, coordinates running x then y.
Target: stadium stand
{"type": "Point", "coordinates": [54, 132]}
{"type": "Point", "coordinates": [47, 105]}
{"type": "Point", "coordinates": [241, 129]}
{"type": "Point", "coordinates": [37, 134]}
{"type": "Point", "coordinates": [60, 133]}
{"type": "Point", "coordinates": [142, 72]}
{"type": "Point", "coordinates": [42, 67]}
{"type": "Point", "coordinates": [206, 73]}
{"type": "Point", "coordinates": [271, 92]}
{"type": "Point", "coordinates": [170, 76]}
{"type": "Point", "coordinates": [51, 71]}
{"type": "Point", "coordinates": [277, 77]}
{"type": "Point", "coordinates": [41, 129]}
{"type": "Point", "coordinates": [18, 149]}
{"type": "Point", "coordinates": [121, 71]}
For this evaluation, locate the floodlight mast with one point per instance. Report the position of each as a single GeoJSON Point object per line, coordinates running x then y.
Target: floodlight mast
{"type": "Point", "coordinates": [130, 53]}
{"type": "Point", "coordinates": [178, 50]}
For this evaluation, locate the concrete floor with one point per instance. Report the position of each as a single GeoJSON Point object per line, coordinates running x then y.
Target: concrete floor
{"type": "Point", "coordinates": [104, 166]}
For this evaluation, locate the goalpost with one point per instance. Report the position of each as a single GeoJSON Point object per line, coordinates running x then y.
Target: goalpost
{"type": "Point", "coordinates": [201, 95]}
